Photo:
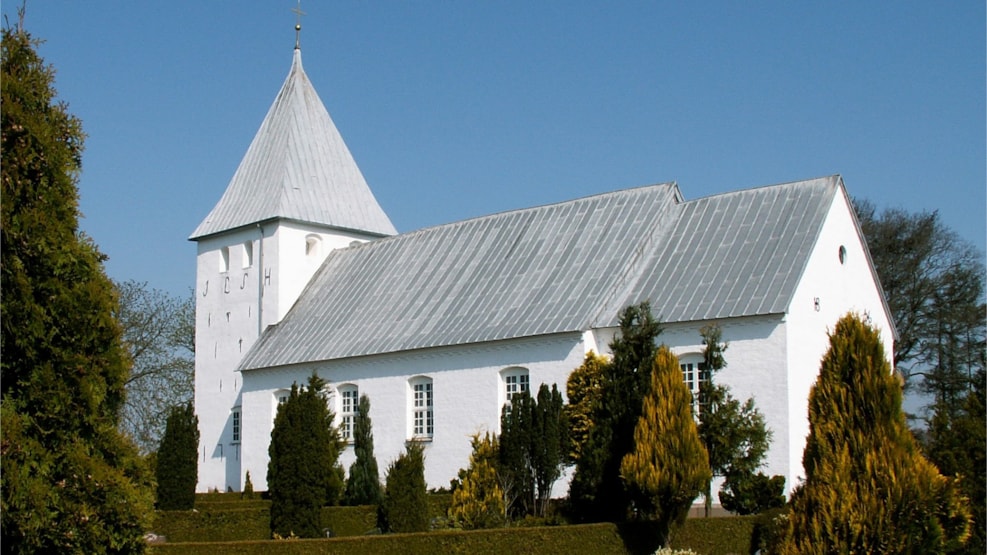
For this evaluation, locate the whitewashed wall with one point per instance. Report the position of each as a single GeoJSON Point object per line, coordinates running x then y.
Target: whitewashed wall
{"type": "Point", "coordinates": [467, 390]}
{"type": "Point", "coordinates": [828, 290]}
{"type": "Point", "coordinates": [233, 306]}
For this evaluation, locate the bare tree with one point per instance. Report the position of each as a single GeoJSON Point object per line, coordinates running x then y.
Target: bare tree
{"type": "Point", "coordinates": [159, 333]}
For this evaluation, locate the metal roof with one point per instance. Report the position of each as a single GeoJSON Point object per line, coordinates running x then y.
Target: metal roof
{"type": "Point", "coordinates": [552, 269]}
{"type": "Point", "coordinates": [297, 168]}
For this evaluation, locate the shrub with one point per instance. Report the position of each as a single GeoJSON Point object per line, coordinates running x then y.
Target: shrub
{"type": "Point", "coordinates": [405, 504]}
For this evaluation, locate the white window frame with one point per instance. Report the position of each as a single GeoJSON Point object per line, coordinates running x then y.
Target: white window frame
{"type": "Point", "coordinates": [349, 399]}
{"type": "Point", "coordinates": [422, 408]}
{"type": "Point", "coordinates": [693, 374]}
{"type": "Point", "coordinates": [514, 380]}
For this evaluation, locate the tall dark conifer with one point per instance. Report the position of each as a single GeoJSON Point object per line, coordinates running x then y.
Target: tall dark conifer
{"type": "Point", "coordinates": [363, 483]}
{"type": "Point", "coordinates": [597, 491]}
{"type": "Point", "coordinates": [70, 482]}
{"type": "Point", "coordinates": [178, 460]}
{"type": "Point", "coordinates": [405, 504]}
{"type": "Point", "coordinates": [303, 473]}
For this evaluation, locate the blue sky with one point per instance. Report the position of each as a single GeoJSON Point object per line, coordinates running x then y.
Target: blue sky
{"type": "Point", "coordinates": [459, 109]}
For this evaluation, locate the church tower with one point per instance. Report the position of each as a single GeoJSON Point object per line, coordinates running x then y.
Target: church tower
{"type": "Point", "coordinates": [297, 195]}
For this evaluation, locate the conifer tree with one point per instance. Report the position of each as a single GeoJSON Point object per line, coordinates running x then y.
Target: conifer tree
{"type": "Point", "coordinates": [363, 483]}
{"type": "Point", "coordinates": [549, 440]}
{"type": "Point", "coordinates": [303, 473]}
{"type": "Point", "coordinates": [734, 434]}
{"type": "Point", "coordinates": [868, 489]}
{"type": "Point", "coordinates": [478, 501]}
{"type": "Point", "coordinates": [668, 467]}
{"type": "Point", "coordinates": [70, 482]}
{"type": "Point", "coordinates": [178, 460]}
{"type": "Point", "coordinates": [584, 389]}
{"type": "Point", "coordinates": [515, 456]}
{"type": "Point", "coordinates": [597, 491]}
{"type": "Point", "coordinates": [405, 504]}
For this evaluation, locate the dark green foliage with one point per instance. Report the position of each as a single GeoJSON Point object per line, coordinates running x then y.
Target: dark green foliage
{"type": "Point", "coordinates": [70, 481]}
{"type": "Point", "coordinates": [363, 484]}
{"type": "Point", "coordinates": [405, 504]}
{"type": "Point", "coordinates": [735, 435]}
{"type": "Point", "coordinates": [549, 441]}
{"type": "Point", "coordinates": [515, 470]}
{"type": "Point", "coordinates": [159, 333]}
{"type": "Point", "coordinates": [178, 460]}
{"type": "Point", "coordinates": [934, 284]}
{"type": "Point", "coordinates": [957, 444]}
{"type": "Point", "coordinates": [747, 493]}
{"type": "Point", "coordinates": [597, 491]}
{"type": "Point", "coordinates": [303, 473]}
{"type": "Point", "coordinates": [533, 443]}
{"type": "Point", "coordinates": [868, 489]}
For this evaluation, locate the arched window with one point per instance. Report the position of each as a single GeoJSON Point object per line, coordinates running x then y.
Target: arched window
{"type": "Point", "coordinates": [224, 259]}
{"type": "Point", "coordinates": [694, 373]}
{"type": "Point", "coordinates": [313, 246]}
{"type": "Point", "coordinates": [348, 396]}
{"type": "Point", "coordinates": [422, 408]}
{"type": "Point", "coordinates": [515, 380]}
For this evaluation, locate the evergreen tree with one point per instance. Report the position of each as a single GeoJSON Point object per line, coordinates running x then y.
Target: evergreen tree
{"type": "Point", "coordinates": [248, 487]}
{"type": "Point", "coordinates": [303, 473]}
{"type": "Point", "coordinates": [516, 465]}
{"type": "Point", "coordinates": [957, 444]}
{"type": "Point", "coordinates": [70, 481]}
{"type": "Point", "coordinates": [747, 493]}
{"type": "Point", "coordinates": [178, 460]}
{"type": "Point", "coordinates": [405, 504]}
{"type": "Point", "coordinates": [584, 389]}
{"type": "Point", "coordinates": [363, 484]}
{"type": "Point", "coordinates": [734, 434]}
{"type": "Point", "coordinates": [597, 491]}
{"type": "Point", "coordinates": [868, 489]}
{"type": "Point", "coordinates": [668, 467]}
{"type": "Point", "coordinates": [548, 443]}
{"type": "Point", "coordinates": [478, 500]}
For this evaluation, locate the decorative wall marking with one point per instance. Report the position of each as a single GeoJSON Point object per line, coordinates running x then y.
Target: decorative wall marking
{"type": "Point", "coordinates": [209, 319]}
{"type": "Point", "coordinates": [244, 282]}
{"type": "Point", "coordinates": [241, 350]}
{"type": "Point", "coordinates": [221, 385]}
{"type": "Point", "coordinates": [227, 316]}
{"type": "Point", "coordinates": [226, 285]}
{"type": "Point", "coordinates": [815, 302]}
{"type": "Point", "coordinates": [205, 290]}
{"type": "Point", "coordinates": [215, 350]}
{"type": "Point", "coordinates": [267, 276]}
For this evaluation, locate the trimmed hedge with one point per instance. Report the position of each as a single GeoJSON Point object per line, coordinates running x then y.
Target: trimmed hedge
{"type": "Point", "coordinates": [600, 539]}
{"type": "Point", "coordinates": [245, 530]}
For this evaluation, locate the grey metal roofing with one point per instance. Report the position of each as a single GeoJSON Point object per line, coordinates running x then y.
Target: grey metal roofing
{"type": "Point", "coordinates": [558, 268]}
{"type": "Point", "coordinates": [298, 168]}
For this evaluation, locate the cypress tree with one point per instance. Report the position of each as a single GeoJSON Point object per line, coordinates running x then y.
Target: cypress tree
{"type": "Point", "coordinates": [669, 467]}
{"type": "Point", "coordinates": [868, 489]}
{"type": "Point", "coordinates": [363, 483]}
{"type": "Point", "coordinates": [548, 443]}
{"type": "Point", "coordinates": [303, 473]}
{"type": "Point", "coordinates": [405, 504]}
{"type": "Point", "coordinates": [178, 460]}
{"type": "Point", "coordinates": [517, 429]}
{"type": "Point", "coordinates": [70, 481]}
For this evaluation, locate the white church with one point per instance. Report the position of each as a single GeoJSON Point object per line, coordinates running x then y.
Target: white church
{"type": "Point", "coordinates": [300, 270]}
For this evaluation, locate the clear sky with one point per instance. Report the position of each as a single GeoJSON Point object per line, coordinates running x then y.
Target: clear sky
{"type": "Point", "coordinates": [459, 109]}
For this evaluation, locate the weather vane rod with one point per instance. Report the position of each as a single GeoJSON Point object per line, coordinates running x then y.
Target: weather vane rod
{"type": "Point", "coordinates": [298, 24]}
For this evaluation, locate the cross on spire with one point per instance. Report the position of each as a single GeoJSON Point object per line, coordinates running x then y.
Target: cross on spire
{"type": "Point", "coordinates": [298, 23]}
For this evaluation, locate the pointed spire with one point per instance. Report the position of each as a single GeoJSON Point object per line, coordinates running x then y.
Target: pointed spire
{"type": "Point", "coordinates": [298, 24]}
{"type": "Point", "coordinates": [298, 168]}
